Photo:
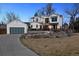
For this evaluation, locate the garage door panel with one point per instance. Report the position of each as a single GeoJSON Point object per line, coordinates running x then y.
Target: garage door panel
{"type": "Point", "coordinates": [16, 30]}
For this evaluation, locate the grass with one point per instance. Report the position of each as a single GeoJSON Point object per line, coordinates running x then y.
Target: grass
{"type": "Point", "coordinates": [67, 46]}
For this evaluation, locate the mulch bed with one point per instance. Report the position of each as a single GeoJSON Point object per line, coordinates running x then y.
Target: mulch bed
{"type": "Point", "coordinates": [47, 35]}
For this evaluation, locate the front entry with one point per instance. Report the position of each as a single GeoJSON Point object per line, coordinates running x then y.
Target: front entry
{"type": "Point", "coordinates": [54, 27]}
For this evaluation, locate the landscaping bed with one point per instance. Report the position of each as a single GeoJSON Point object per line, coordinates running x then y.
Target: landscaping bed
{"type": "Point", "coordinates": [60, 46]}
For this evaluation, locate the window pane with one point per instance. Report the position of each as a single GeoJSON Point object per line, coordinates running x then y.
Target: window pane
{"type": "Point", "coordinates": [36, 19]}
{"type": "Point", "coordinates": [54, 19]}
{"type": "Point", "coordinates": [46, 20]}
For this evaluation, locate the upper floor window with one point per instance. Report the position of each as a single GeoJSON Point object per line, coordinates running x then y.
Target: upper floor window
{"type": "Point", "coordinates": [46, 20]}
{"type": "Point", "coordinates": [54, 19]}
{"type": "Point", "coordinates": [36, 19]}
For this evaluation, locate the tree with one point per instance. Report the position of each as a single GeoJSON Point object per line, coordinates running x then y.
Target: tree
{"type": "Point", "coordinates": [76, 25]}
{"type": "Point", "coordinates": [73, 12]}
{"type": "Point", "coordinates": [2, 22]}
{"type": "Point", "coordinates": [49, 9]}
{"type": "Point", "coordinates": [65, 26]}
{"type": "Point", "coordinates": [11, 16]}
{"type": "Point", "coordinates": [36, 14]}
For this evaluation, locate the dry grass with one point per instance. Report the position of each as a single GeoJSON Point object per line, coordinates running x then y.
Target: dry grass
{"type": "Point", "coordinates": [54, 46]}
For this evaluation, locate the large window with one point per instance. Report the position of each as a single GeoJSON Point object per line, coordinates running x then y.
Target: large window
{"type": "Point", "coordinates": [54, 19]}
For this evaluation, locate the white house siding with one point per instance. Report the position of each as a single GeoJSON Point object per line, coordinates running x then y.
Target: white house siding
{"type": "Point", "coordinates": [42, 20]}
{"type": "Point", "coordinates": [59, 20]}
{"type": "Point", "coordinates": [33, 24]}
{"type": "Point", "coordinates": [50, 20]}
{"type": "Point", "coordinates": [17, 23]}
{"type": "Point", "coordinates": [44, 17]}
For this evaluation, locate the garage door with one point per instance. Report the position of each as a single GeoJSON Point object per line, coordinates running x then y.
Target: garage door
{"type": "Point", "coordinates": [16, 30]}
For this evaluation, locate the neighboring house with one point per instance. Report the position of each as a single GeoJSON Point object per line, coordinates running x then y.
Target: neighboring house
{"type": "Point", "coordinates": [3, 29]}
{"type": "Point", "coordinates": [43, 22]}
{"type": "Point", "coordinates": [17, 27]}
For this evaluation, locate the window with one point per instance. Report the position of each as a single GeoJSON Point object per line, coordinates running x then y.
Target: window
{"type": "Point", "coordinates": [40, 26]}
{"type": "Point", "coordinates": [46, 20]}
{"type": "Point", "coordinates": [54, 19]}
{"type": "Point", "coordinates": [36, 26]}
{"type": "Point", "coordinates": [36, 19]}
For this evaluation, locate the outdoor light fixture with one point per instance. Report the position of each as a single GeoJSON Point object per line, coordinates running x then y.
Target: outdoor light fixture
{"type": "Point", "coordinates": [50, 27]}
{"type": "Point", "coordinates": [58, 27]}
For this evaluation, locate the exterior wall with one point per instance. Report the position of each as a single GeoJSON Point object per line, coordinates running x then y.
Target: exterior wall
{"type": "Point", "coordinates": [16, 23]}
{"type": "Point", "coordinates": [59, 20]}
{"type": "Point", "coordinates": [54, 21]}
{"type": "Point", "coordinates": [34, 25]}
{"type": "Point", "coordinates": [35, 19]}
{"type": "Point", "coordinates": [42, 20]}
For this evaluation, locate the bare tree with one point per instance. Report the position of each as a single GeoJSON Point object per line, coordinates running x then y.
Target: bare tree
{"type": "Point", "coordinates": [11, 16]}
{"type": "Point", "coordinates": [49, 9]}
{"type": "Point", "coordinates": [2, 22]}
{"type": "Point", "coordinates": [36, 14]}
{"type": "Point", "coordinates": [73, 12]}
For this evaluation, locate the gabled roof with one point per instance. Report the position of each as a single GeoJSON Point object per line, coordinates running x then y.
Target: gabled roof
{"type": "Point", "coordinates": [16, 20]}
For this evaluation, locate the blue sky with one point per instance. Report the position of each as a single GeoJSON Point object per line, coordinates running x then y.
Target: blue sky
{"type": "Point", "coordinates": [26, 10]}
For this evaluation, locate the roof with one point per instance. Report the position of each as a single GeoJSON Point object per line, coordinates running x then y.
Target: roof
{"type": "Point", "coordinates": [16, 20]}
{"type": "Point", "coordinates": [46, 16]}
{"type": "Point", "coordinates": [28, 23]}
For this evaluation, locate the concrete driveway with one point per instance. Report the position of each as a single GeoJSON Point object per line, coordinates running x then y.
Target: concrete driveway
{"type": "Point", "coordinates": [11, 46]}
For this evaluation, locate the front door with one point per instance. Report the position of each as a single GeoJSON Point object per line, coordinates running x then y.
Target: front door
{"type": "Point", "coordinates": [55, 27]}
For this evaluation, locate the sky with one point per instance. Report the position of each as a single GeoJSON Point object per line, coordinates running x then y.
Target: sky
{"type": "Point", "coordinates": [26, 10]}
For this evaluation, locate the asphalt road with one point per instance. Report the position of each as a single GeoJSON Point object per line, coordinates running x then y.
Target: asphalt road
{"type": "Point", "coordinates": [11, 46]}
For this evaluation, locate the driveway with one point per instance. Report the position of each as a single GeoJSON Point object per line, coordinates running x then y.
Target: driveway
{"type": "Point", "coordinates": [11, 46]}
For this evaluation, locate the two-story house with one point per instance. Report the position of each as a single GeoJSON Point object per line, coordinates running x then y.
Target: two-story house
{"type": "Point", "coordinates": [52, 22]}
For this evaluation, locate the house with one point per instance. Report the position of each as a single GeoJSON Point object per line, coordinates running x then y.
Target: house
{"type": "Point", "coordinates": [28, 24]}
{"type": "Point", "coordinates": [17, 27]}
{"type": "Point", "coordinates": [52, 22]}
{"type": "Point", "coordinates": [3, 29]}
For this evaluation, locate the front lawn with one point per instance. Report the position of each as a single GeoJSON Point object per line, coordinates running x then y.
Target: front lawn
{"type": "Point", "coordinates": [53, 46]}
